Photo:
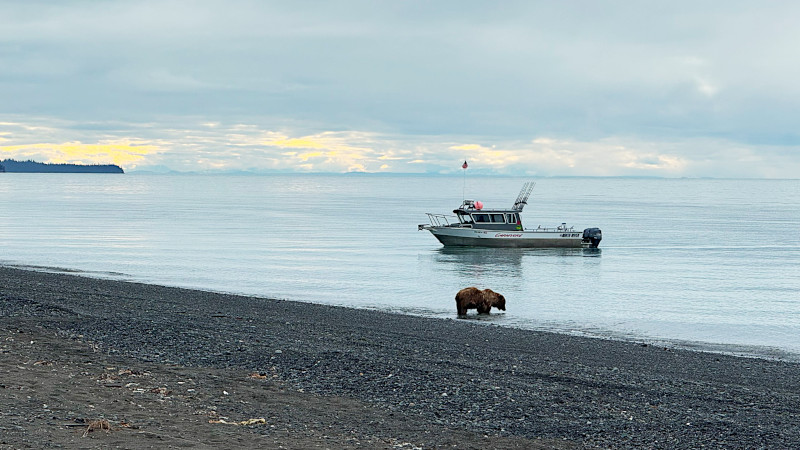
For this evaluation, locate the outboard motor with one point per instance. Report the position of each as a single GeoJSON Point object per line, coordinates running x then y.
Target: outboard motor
{"type": "Point", "coordinates": [592, 237]}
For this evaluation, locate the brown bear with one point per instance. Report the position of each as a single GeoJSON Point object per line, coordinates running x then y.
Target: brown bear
{"type": "Point", "coordinates": [482, 300]}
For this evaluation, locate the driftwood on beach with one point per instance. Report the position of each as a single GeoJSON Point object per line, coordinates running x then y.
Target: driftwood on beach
{"type": "Point", "coordinates": [403, 379]}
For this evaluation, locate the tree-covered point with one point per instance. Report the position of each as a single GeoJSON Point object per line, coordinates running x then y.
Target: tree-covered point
{"type": "Point", "coordinates": [10, 165]}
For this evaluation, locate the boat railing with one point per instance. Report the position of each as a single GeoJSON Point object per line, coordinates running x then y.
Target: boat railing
{"type": "Point", "coordinates": [563, 227]}
{"type": "Point", "coordinates": [442, 220]}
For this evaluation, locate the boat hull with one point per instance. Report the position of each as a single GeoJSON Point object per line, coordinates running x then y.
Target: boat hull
{"type": "Point", "coordinates": [468, 237]}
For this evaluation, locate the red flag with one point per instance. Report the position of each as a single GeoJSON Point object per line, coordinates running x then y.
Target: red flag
{"type": "Point", "coordinates": [464, 166]}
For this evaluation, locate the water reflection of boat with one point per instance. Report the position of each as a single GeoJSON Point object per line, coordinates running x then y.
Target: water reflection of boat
{"type": "Point", "coordinates": [474, 226]}
{"type": "Point", "coordinates": [488, 255]}
{"type": "Point", "coordinates": [481, 260]}
{"type": "Point", "coordinates": [506, 262]}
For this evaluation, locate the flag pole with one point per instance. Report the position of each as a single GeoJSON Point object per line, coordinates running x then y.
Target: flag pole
{"type": "Point", "coordinates": [464, 187]}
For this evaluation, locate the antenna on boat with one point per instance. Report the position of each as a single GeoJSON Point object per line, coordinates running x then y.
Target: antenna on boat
{"type": "Point", "coordinates": [524, 193]}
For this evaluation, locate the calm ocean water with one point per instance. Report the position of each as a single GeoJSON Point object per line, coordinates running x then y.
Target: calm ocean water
{"type": "Point", "coordinates": [709, 264]}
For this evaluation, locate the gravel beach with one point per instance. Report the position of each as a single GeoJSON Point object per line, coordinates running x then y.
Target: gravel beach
{"type": "Point", "coordinates": [168, 367]}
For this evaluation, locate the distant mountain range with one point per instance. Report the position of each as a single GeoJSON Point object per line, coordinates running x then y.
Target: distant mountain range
{"type": "Point", "coordinates": [10, 165]}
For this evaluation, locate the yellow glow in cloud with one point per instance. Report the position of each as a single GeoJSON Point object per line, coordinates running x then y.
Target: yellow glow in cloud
{"type": "Point", "coordinates": [306, 156]}
{"type": "Point", "coordinates": [330, 151]}
{"type": "Point", "coordinates": [486, 156]}
{"type": "Point", "coordinates": [118, 152]}
{"type": "Point", "coordinates": [468, 147]}
{"type": "Point", "coordinates": [298, 143]}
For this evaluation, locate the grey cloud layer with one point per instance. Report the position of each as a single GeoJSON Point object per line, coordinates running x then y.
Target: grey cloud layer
{"type": "Point", "coordinates": [581, 71]}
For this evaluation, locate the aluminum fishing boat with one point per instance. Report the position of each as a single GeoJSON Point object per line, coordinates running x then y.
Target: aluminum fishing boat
{"type": "Point", "coordinates": [474, 226]}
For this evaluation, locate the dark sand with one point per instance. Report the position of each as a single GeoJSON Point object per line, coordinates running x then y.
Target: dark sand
{"type": "Point", "coordinates": [166, 367]}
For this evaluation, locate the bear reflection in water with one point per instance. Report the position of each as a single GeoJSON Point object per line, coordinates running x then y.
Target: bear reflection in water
{"type": "Point", "coordinates": [482, 300]}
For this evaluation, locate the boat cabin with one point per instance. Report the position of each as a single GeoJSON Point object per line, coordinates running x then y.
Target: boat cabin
{"type": "Point", "coordinates": [470, 213]}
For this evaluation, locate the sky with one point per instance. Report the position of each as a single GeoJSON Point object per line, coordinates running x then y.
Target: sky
{"type": "Point", "coordinates": [543, 88]}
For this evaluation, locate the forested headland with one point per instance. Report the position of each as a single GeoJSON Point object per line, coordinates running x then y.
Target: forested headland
{"type": "Point", "coordinates": [11, 165]}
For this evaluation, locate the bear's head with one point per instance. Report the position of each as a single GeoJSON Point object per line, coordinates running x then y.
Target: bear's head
{"type": "Point", "coordinates": [499, 302]}
{"type": "Point", "coordinates": [495, 299]}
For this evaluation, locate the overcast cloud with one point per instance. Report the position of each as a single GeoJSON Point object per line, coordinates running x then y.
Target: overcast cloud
{"type": "Point", "coordinates": [543, 88]}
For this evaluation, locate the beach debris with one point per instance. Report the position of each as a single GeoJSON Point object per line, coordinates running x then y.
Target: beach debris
{"type": "Point", "coordinates": [133, 373]}
{"type": "Point", "coordinates": [271, 373]}
{"type": "Point", "coordinates": [164, 392]}
{"type": "Point", "coordinates": [396, 443]}
{"type": "Point", "coordinates": [109, 380]}
{"type": "Point", "coordinates": [107, 376]}
{"type": "Point", "coordinates": [248, 422]}
{"type": "Point", "coordinates": [99, 424]}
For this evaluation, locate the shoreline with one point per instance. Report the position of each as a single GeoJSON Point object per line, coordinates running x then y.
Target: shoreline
{"type": "Point", "coordinates": [397, 379]}
{"type": "Point", "coordinates": [768, 352]}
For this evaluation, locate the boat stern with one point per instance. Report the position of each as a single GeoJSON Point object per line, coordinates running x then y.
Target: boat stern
{"type": "Point", "coordinates": [591, 237]}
